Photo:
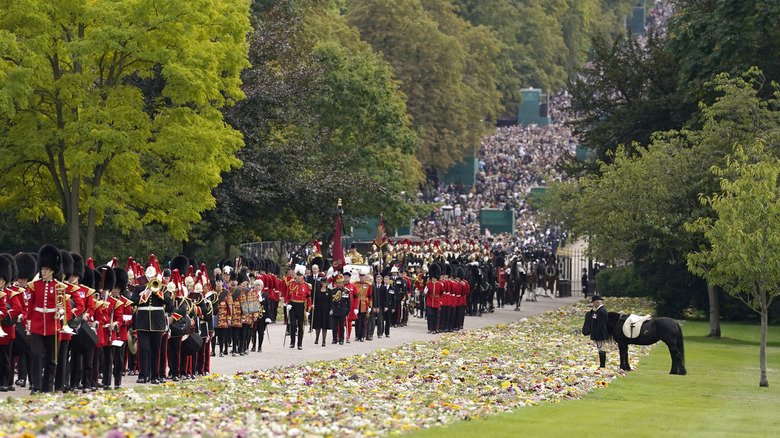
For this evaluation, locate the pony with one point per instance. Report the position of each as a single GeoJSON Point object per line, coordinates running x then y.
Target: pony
{"type": "Point", "coordinates": [657, 329]}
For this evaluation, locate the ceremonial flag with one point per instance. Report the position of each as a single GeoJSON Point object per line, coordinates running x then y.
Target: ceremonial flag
{"type": "Point", "coordinates": [381, 233]}
{"type": "Point", "coordinates": [338, 250]}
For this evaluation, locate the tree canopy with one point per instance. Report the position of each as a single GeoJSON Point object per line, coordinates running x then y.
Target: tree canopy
{"type": "Point", "coordinates": [82, 140]}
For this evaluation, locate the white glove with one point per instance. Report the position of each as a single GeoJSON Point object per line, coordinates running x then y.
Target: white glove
{"type": "Point", "coordinates": [356, 311]}
{"type": "Point", "coordinates": [268, 320]}
{"type": "Point", "coordinates": [289, 306]}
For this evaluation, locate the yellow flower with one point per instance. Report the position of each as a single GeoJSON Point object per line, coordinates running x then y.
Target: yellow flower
{"type": "Point", "coordinates": [445, 352]}
{"type": "Point", "coordinates": [506, 384]}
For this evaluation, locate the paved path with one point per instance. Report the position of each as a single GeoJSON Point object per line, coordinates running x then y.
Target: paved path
{"type": "Point", "coordinates": [276, 352]}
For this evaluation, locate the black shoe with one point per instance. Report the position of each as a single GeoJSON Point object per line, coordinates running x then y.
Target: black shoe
{"type": "Point", "coordinates": [118, 387]}
{"type": "Point", "coordinates": [252, 350]}
{"type": "Point", "coordinates": [3, 389]}
{"type": "Point", "coordinates": [323, 344]}
{"type": "Point", "coordinates": [220, 355]}
{"type": "Point", "coordinates": [259, 350]}
{"type": "Point", "coordinates": [85, 390]}
{"type": "Point", "coordinates": [292, 345]}
{"type": "Point", "coordinates": [155, 382]}
{"type": "Point", "coordinates": [141, 380]}
{"type": "Point", "coordinates": [11, 388]}
{"type": "Point", "coordinates": [214, 354]}
{"type": "Point", "coordinates": [341, 342]}
{"type": "Point", "coordinates": [34, 392]}
{"type": "Point", "coordinates": [300, 347]}
{"type": "Point", "coordinates": [175, 378]}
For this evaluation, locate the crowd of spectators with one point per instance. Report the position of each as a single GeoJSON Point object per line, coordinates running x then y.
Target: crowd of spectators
{"type": "Point", "coordinates": [511, 162]}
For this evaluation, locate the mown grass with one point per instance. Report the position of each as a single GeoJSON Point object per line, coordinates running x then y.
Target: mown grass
{"type": "Point", "coordinates": [719, 397]}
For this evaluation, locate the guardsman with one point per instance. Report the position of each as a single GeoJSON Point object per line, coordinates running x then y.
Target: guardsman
{"type": "Point", "coordinates": [45, 311]}
{"type": "Point", "coordinates": [433, 297]}
{"type": "Point", "coordinates": [27, 267]}
{"type": "Point", "coordinates": [7, 276]}
{"type": "Point", "coordinates": [150, 322]}
{"type": "Point", "coordinates": [14, 309]}
{"type": "Point", "coordinates": [112, 317]}
{"type": "Point", "coordinates": [74, 306]}
{"type": "Point", "coordinates": [300, 302]}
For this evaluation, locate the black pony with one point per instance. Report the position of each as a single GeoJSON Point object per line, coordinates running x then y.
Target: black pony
{"type": "Point", "coordinates": [654, 330]}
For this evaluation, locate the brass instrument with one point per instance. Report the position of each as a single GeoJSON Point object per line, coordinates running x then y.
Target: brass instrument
{"type": "Point", "coordinates": [155, 285]}
{"type": "Point", "coordinates": [2, 332]}
{"type": "Point", "coordinates": [59, 304]}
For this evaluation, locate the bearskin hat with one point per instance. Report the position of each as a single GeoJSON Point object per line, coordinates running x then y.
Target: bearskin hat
{"type": "Point", "coordinates": [182, 263]}
{"type": "Point", "coordinates": [26, 265]}
{"type": "Point", "coordinates": [78, 264]}
{"type": "Point", "coordinates": [67, 264]}
{"type": "Point", "coordinates": [7, 268]}
{"type": "Point", "coordinates": [233, 275]}
{"type": "Point", "coordinates": [49, 257]}
{"type": "Point", "coordinates": [500, 261]}
{"type": "Point", "coordinates": [88, 279]}
{"type": "Point", "coordinates": [104, 277]}
{"type": "Point", "coordinates": [242, 277]}
{"type": "Point", "coordinates": [435, 271]}
{"type": "Point", "coordinates": [121, 279]}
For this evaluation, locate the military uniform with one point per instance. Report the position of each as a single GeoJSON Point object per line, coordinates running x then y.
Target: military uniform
{"type": "Point", "coordinates": [150, 323]}
{"type": "Point", "coordinates": [364, 299]}
{"type": "Point", "coordinates": [300, 302]}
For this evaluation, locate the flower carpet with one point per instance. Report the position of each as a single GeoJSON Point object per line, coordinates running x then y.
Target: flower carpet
{"type": "Point", "coordinates": [465, 375]}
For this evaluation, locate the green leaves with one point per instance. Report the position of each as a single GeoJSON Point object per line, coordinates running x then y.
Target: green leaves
{"type": "Point", "coordinates": [72, 104]}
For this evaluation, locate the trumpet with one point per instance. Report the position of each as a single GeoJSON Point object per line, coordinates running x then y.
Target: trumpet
{"type": "Point", "coordinates": [155, 285]}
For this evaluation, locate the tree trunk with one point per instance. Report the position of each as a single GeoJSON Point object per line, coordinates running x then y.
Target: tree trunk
{"type": "Point", "coordinates": [74, 220]}
{"type": "Point", "coordinates": [89, 247]}
{"type": "Point", "coordinates": [713, 293]}
{"type": "Point", "coordinates": [763, 383]}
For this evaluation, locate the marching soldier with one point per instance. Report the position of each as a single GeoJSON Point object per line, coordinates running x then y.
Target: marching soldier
{"type": "Point", "coordinates": [224, 307]}
{"type": "Point", "coordinates": [433, 297]}
{"type": "Point", "coordinates": [7, 276]}
{"type": "Point", "coordinates": [353, 303]}
{"type": "Point", "coordinates": [152, 304]}
{"type": "Point", "coordinates": [45, 309]}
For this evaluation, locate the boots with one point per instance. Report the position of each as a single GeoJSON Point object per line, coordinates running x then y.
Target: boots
{"type": "Point", "coordinates": [602, 359]}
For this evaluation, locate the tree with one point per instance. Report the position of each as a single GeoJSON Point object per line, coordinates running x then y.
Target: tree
{"type": "Point", "coordinates": [425, 43]}
{"type": "Point", "coordinates": [627, 93]}
{"type": "Point", "coordinates": [743, 254]}
{"type": "Point", "coordinates": [636, 207]}
{"type": "Point", "coordinates": [82, 141]}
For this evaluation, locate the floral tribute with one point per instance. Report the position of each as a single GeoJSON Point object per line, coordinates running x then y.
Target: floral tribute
{"type": "Point", "coordinates": [465, 375]}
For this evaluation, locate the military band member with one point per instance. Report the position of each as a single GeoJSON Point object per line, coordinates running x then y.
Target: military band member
{"type": "Point", "coordinates": [300, 302]}
{"type": "Point", "coordinates": [354, 256]}
{"type": "Point", "coordinates": [235, 313]}
{"type": "Point", "coordinates": [432, 297]}
{"type": "Point", "coordinates": [151, 321]}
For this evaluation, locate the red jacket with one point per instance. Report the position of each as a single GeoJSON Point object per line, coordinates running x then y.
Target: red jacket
{"type": "Point", "coordinates": [14, 306]}
{"type": "Point", "coordinates": [300, 293]}
{"type": "Point", "coordinates": [41, 308]}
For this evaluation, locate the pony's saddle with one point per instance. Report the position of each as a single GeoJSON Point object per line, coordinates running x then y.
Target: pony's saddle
{"type": "Point", "coordinates": [633, 325]}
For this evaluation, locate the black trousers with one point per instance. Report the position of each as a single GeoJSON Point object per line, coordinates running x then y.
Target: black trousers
{"type": "Point", "coordinates": [149, 353]}
{"type": "Point", "coordinates": [6, 372]}
{"type": "Point", "coordinates": [235, 334]}
{"type": "Point", "coordinates": [62, 376]}
{"type": "Point", "coordinates": [432, 314]}
{"type": "Point", "coordinates": [174, 355]}
{"type": "Point", "coordinates": [339, 324]}
{"type": "Point", "coordinates": [223, 336]}
{"type": "Point", "coordinates": [361, 326]}
{"type": "Point", "coordinates": [42, 362]}
{"type": "Point", "coordinates": [97, 354]}
{"type": "Point", "coordinates": [387, 317]}
{"type": "Point", "coordinates": [296, 315]}
{"type": "Point", "coordinates": [107, 364]}
{"type": "Point", "coordinates": [80, 365]}
{"type": "Point", "coordinates": [163, 364]}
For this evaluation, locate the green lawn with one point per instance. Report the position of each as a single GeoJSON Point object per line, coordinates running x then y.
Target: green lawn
{"type": "Point", "coordinates": [719, 397]}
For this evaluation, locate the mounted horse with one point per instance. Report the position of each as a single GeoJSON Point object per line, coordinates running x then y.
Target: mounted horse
{"type": "Point", "coordinates": [518, 282]}
{"type": "Point", "coordinates": [649, 332]}
{"type": "Point", "coordinates": [550, 282]}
